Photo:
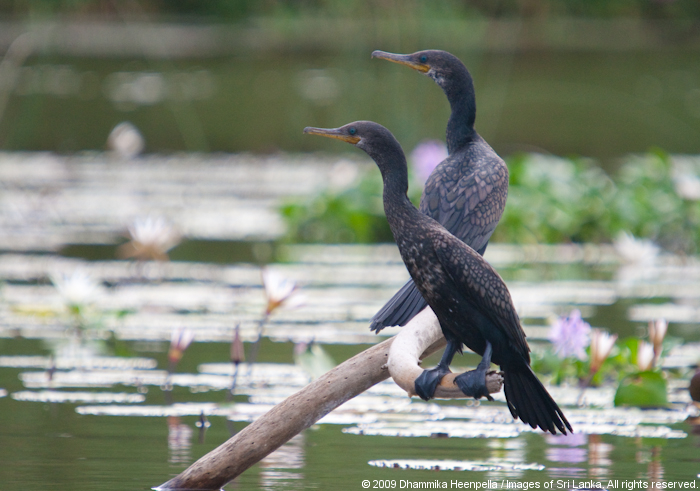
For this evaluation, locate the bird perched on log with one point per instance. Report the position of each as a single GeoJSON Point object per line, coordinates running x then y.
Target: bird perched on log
{"type": "Point", "coordinates": [469, 298]}
{"type": "Point", "coordinates": [467, 191]}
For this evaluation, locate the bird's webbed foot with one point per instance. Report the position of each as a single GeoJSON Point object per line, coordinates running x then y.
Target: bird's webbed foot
{"type": "Point", "coordinates": [428, 381]}
{"type": "Point", "coordinates": [473, 382]}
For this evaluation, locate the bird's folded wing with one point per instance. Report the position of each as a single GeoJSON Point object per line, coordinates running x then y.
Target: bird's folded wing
{"type": "Point", "coordinates": [481, 285]}
{"type": "Point", "coordinates": [471, 208]}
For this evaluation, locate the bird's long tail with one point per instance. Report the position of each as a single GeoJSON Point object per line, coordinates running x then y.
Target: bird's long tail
{"type": "Point", "coordinates": [529, 400]}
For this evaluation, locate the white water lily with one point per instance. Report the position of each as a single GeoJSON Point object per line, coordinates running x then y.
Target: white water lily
{"type": "Point", "coordinates": [634, 250]}
{"type": "Point", "coordinates": [126, 140]}
{"type": "Point", "coordinates": [279, 290]}
{"type": "Point", "coordinates": [77, 288]}
{"type": "Point", "coordinates": [151, 238]}
{"type": "Point", "coordinates": [645, 356]}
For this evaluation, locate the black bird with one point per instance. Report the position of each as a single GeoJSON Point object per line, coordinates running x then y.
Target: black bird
{"type": "Point", "coordinates": [467, 191]}
{"type": "Point", "coordinates": [469, 298]}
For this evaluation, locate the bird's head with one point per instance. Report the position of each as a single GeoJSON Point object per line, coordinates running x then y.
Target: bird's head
{"type": "Point", "coordinates": [373, 138]}
{"type": "Point", "coordinates": [365, 135]}
{"type": "Point", "coordinates": [441, 66]}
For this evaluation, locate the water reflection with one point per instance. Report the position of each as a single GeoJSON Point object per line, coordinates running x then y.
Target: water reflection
{"type": "Point", "coordinates": [282, 469]}
{"type": "Point", "coordinates": [179, 442]}
{"type": "Point", "coordinates": [598, 457]}
{"type": "Point", "coordinates": [567, 449]}
{"type": "Point", "coordinates": [510, 450]}
{"type": "Point", "coordinates": [655, 470]}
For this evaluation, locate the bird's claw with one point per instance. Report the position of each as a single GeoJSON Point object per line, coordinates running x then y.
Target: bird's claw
{"type": "Point", "coordinates": [473, 384]}
{"type": "Point", "coordinates": [427, 382]}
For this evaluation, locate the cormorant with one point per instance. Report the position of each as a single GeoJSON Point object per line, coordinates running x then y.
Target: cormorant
{"type": "Point", "coordinates": [467, 191]}
{"type": "Point", "coordinates": [470, 299]}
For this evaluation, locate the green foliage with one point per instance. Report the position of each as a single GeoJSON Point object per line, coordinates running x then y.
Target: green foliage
{"type": "Point", "coordinates": [648, 205]}
{"type": "Point", "coordinates": [682, 10]}
{"type": "Point", "coordinates": [550, 200]}
{"type": "Point", "coordinates": [553, 200]}
{"type": "Point", "coordinates": [642, 389]}
{"type": "Point", "coordinates": [350, 215]}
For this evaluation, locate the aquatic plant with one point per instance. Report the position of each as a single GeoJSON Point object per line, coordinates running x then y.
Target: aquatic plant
{"type": "Point", "coordinates": [151, 238]}
{"type": "Point", "coordinates": [78, 290]}
{"type": "Point", "coordinates": [635, 366]}
{"type": "Point", "coordinates": [643, 384]}
{"type": "Point", "coordinates": [279, 290]}
{"type": "Point", "coordinates": [180, 340]}
{"type": "Point", "coordinates": [602, 344]}
{"type": "Point", "coordinates": [657, 333]}
{"type": "Point", "coordinates": [351, 214]}
{"type": "Point", "coordinates": [570, 336]}
{"type": "Point", "coordinates": [237, 355]}
{"type": "Point", "coordinates": [650, 203]}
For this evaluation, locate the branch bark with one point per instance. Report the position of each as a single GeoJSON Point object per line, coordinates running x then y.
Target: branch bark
{"type": "Point", "coordinates": [419, 338]}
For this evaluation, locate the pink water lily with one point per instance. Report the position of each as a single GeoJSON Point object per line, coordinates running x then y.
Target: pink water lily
{"type": "Point", "coordinates": [645, 356]}
{"type": "Point", "coordinates": [657, 332]}
{"type": "Point", "coordinates": [179, 341]}
{"type": "Point", "coordinates": [602, 344]}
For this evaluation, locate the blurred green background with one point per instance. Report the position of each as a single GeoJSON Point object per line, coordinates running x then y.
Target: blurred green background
{"type": "Point", "coordinates": [594, 78]}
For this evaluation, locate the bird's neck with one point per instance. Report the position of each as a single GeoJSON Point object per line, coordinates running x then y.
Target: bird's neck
{"type": "Point", "coordinates": [395, 177]}
{"type": "Point", "coordinates": [460, 94]}
{"type": "Point", "coordinates": [400, 212]}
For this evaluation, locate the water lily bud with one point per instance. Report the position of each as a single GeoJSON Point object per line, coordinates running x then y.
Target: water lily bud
{"type": "Point", "coordinates": [657, 332]}
{"type": "Point", "coordinates": [237, 351]}
{"type": "Point", "coordinates": [602, 344]}
{"type": "Point", "coordinates": [645, 356]}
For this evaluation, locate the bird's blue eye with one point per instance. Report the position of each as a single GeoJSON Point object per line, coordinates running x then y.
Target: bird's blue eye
{"type": "Point", "coordinates": [423, 59]}
{"type": "Point", "coordinates": [352, 131]}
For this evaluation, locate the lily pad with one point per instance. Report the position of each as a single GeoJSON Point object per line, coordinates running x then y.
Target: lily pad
{"type": "Point", "coordinates": [643, 389]}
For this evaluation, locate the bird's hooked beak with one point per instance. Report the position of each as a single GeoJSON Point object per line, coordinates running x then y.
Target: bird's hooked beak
{"type": "Point", "coordinates": [401, 60]}
{"type": "Point", "coordinates": [336, 133]}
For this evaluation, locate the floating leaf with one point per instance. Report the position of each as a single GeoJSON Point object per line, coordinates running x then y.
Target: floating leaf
{"type": "Point", "coordinates": [643, 389]}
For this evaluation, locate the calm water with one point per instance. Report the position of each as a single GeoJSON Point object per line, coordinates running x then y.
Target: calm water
{"type": "Point", "coordinates": [98, 438]}
{"type": "Point", "coordinates": [595, 102]}
{"type": "Point", "coordinates": [74, 445]}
